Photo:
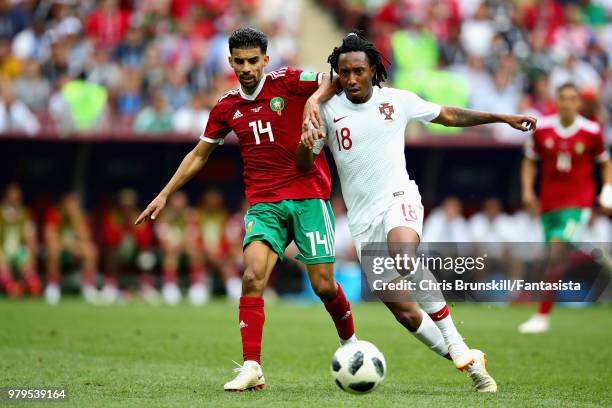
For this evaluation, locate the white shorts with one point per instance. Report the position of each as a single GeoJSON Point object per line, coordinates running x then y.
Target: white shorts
{"type": "Point", "coordinates": [403, 210]}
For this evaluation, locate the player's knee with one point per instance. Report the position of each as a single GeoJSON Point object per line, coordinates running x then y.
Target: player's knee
{"type": "Point", "coordinates": [253, 279]}
{"type": "Point", "coordinates": [325, 288]}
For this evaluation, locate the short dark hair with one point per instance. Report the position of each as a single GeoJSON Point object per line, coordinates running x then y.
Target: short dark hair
{"type": "Point", "coordinates": [567, 85]}
{"type": "Point", "coordinates": [247, 37]}
{"type": "Point", "coordinates": [355, 42]}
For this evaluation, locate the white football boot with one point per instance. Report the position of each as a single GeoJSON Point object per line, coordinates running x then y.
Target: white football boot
{"type": "Point", "coordinates": [538, 323]}
{"type": "Point", "coordinates": [461, 355]}
{"type": "Point", "coordinates": [250, 377]}
{"type": "Point", "coordinates": [90, 294]}
{"type": "Point", "coordinates": [53, 293]}
{"type": "Point", "coordinates": [477, 371]}
{"type": "Point", "coordinates": [350, 340]}
{"type": "Point", "coordinates": [198, 294]}
{"type": "Point", "coordinates": [171, 293]}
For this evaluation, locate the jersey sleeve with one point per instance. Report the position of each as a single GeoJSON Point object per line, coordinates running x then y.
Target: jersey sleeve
{"type": "Point", "coordinates": [300, 82]}
{"type": "Point", "coordinates": [532, 148]}
{"type": "Point", "coordinates": [600, 152]}
{"type": "Point", "coordinates": [320, 143]}
{"type": "Point", "coordinates": [216, 127]}
{"type": "Point", "coordinates": [417, 108]}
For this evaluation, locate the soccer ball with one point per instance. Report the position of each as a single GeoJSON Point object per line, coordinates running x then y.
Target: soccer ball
{"type": "Point", "coordinates": [358, 367]}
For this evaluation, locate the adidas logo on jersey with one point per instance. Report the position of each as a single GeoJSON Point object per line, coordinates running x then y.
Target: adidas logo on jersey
{"type": "Point", "coordinates": [237, 115]}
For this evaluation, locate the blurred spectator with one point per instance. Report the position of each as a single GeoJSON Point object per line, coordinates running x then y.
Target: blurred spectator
{"type": "Point", "coordinates": [539, 101]}
{"type": "Point", "coordinates": [18, 246]}
{"type": "Point", "coordinates": [176, 91]}
{"type": "Point", "coordinates": [67, 235]}
{"type": "Point", "coordinates": [10, 67]}
{"type": "Point", "coordinates": [13, 19]}
{"type": "Point", "coordinates": [575, 71]}
{"type": "Point", "coordinates": [446, 223]}
{"type": "Point", "coordinates": [103, 71]}
{"type": "Point", "coordinates": [477, 32]}
{"type": "Point", "coordinates": [131, 51]}
{"type": "Point", "coordinates": [177, 233]}
{"type": "Point", "coordinates": [108, 23]}
{"type": "Point", "coordinates": [491, 229]}
{"type": "Point", "coordinates": [14, 114]}
{"type": "Point", "coordinates": [526, 230]}
{"type": "Point", "coordinates": [129, 95]}
{"type": "Point", "coordinates": [156, 117]}
{"type": "Point", "coordinates": [32, 88]}
{"type": "Point", "coordinates": [57, 65]}
{"type": "Point", "coordinates": [192, 119]}
{"type": "Point", "coordinates": [78, 105]}
{"type": "Point", "coordinates": [126, 246]}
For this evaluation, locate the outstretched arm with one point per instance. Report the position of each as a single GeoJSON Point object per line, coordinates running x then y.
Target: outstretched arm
{"type": "Point", "coordinates": [326, 90]}
{"type": "Point", "coordinates": [459, 117]}
{"type": "Point", "coordinates": [189, 167]}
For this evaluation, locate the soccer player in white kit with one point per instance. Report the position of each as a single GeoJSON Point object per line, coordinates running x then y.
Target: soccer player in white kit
{"type": "Point", "coordinates": [364, 128]}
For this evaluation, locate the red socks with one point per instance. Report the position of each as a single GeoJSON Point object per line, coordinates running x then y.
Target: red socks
{"type": "Point", "coordinates": [545, 307]}
{"type": "Point", "coordinates": [251, 317]}
{"type": "Point", "coordinates": [340, 311]}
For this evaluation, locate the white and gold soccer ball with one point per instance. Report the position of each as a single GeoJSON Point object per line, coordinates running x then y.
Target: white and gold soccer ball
{"type": "Point", "coordinates": [358, 367]}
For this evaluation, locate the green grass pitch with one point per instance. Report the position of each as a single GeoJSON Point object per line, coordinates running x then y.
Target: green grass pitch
{"type": "Point", "coordinates": [144, 356]}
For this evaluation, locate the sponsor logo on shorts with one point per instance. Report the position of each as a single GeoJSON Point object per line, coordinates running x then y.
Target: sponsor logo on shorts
{"type": "Point", "coordinates": [398, 193]}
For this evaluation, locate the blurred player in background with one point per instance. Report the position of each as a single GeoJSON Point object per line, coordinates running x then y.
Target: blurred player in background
{"type": "Point", "coordinates": [18, 246]}
{"type": "Point", "coordinates": [567, 146]}
{"type": "Point", "coordinates": [67, 235]}
{"type": "Point", "coordinates": [265, 112]}
{"type": "Point", "coordinates": [364, 127]}
{"type": "Point", "coordinates": [178, 236]}
{"type": "Point", "coordinates": [127, 245]}
{"type": "Point", "coordinates": [212, 218]}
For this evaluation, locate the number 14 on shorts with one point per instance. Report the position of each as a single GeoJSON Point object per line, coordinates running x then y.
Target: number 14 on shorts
{"type": "Point", "coordinates": [315, 240]}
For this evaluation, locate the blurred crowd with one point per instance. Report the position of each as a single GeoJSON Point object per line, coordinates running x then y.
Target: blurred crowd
{"type": "Point", "coordinates": [158, 66]}
{"type": "Point", "coordinates": [496, 55]}
{"type": "Point", "coordinates": [150, 66]}
{"type": "Point", "coordinates": [191, 247]}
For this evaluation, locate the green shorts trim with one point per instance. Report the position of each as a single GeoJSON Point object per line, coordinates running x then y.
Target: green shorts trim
{"type": "Point", "coordinates": [310, 223]}
{"type": "Point", "coordinates": [565, 225]}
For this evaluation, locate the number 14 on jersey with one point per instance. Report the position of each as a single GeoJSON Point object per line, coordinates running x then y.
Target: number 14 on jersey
{"type": "Point", "coordinates": [259, 129]}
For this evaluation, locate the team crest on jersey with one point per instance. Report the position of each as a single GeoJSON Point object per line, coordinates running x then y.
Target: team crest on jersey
{"type": "Point", "coordinates": [387, 110]}
{"type": "Point", "coordinates": [277, 105]}
{"type": "Point", "coordinates": [549, 143]}
{"type": "Point", "coordinates": [579, 148]}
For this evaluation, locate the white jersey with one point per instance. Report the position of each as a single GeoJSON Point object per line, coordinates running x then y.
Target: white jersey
{"type": "Point", "coordinates": [367, 141]}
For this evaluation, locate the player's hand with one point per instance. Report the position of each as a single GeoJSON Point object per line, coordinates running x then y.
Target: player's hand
{"type": "Point", "coordinates": [530, 200]}
{"type": "Point", "coordinates": [605, 198]}
{"type": "Point", "coordinates": [152, 210]}
{"type": "Point", "coordinates": [309, 137]}
{"type": "Point", "coordinates": [521, 122]}
{"type": "Point", "coordinates": [312, 114]}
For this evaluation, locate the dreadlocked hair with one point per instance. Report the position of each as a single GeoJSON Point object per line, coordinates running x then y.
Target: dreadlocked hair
{"type": "Point", "coordinates": [355, 41]}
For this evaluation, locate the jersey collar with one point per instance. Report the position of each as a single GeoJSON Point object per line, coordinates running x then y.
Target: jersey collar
{"type": "Point", "coordinates": [257, 90]}
{"type": "Point", "coordinates": [567, 132]}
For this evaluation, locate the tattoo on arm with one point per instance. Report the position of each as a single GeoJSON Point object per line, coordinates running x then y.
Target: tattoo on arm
{"type": "Point", "coordinates": [450, 116]}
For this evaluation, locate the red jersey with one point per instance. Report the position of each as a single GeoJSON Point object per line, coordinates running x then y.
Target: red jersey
{"type": "Point", "coordinates": [567, 156]}
{"type": "Point", "coordinates": [268, 124]}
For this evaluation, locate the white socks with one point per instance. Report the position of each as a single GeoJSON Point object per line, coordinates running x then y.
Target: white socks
{"type": "Point", "coordinates": [429, 334]}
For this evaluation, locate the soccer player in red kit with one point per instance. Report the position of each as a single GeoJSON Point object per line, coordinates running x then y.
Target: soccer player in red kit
{"type": "Point", "coordinates": [567, 145]}
{"type": "Point", "coordinates": [265, 112]}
